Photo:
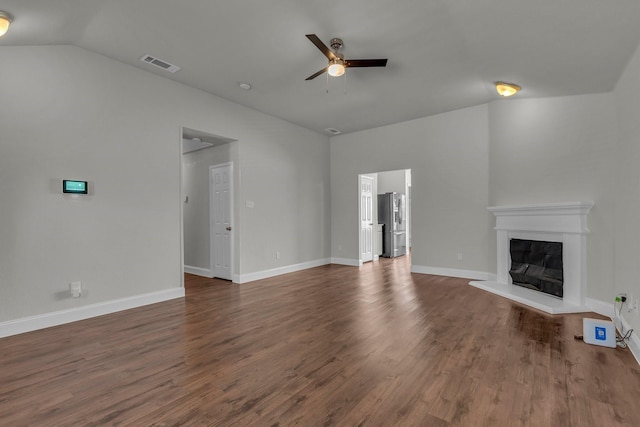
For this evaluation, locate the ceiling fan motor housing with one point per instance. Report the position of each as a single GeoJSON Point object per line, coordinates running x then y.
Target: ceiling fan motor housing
{"type": "Point", "coordinates": [335, 43]}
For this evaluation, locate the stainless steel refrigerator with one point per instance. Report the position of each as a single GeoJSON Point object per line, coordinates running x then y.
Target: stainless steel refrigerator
{"type": "Point", "coordinates": [392, 213]}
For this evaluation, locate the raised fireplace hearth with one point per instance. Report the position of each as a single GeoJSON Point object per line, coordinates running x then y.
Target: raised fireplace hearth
{"type": "Point", "coordinates": [563, 223]}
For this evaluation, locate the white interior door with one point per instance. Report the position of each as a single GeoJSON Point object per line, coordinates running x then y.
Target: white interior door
{"type": "Point", "coordinates": [366, 218]}
{"type": "Point", "coordinates": [221, 187]}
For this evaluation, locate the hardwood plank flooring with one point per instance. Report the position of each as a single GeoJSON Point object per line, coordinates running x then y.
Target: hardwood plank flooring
{"type": "Point", "coordinates": [329, 346]}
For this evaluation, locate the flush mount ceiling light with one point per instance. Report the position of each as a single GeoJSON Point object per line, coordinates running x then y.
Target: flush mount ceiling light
{"type": "Point", "coordinates": [507, 89]}
{"type": "Point", "coordinates": [5, 21]}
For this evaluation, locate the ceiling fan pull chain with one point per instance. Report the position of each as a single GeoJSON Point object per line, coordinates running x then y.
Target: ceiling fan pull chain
{"type": "Point", "coordinates": [327, 82]}
{"type": "Point", "coordinates": [345, 82]}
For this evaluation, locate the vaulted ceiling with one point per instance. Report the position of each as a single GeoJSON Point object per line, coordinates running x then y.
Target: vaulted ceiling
{"type": "Point", "coordinates": [443, 54]}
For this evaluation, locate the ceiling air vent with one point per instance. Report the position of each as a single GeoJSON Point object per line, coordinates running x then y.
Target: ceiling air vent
{"type": "Point", "coordinates": [160, 63]}
{"type": "Point", "coordinates": [333, 131]}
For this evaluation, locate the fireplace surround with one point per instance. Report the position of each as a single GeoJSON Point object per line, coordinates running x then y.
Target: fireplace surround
{"type": "Point", "coordinates": [556, 222]}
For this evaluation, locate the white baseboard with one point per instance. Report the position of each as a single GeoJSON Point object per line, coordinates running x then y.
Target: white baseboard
{"type": "Point", "coordinates": [634, 341]}
{"type": "Point", "coordinates": [198, 271]}
{"type": "Point", "coordinates": [259, 275]}
{"type": "Point", "coordinates": [600, 307]}
{"type": "Point", "coordinates": [453, 272]}
{"type": "Point", "coordinates": [47, 320]}
{"type": "Point", "coordinates": [346, 261]}
{"type": "Point", "coordinates": [608, 310]}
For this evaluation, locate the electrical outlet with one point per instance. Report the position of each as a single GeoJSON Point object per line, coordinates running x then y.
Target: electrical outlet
{"type": "Point", "coordinates": [277, 254]}
{"type": "Point", "coordinates": [76, 289]}
{"type": "Point", "coordinates": [459, 256]}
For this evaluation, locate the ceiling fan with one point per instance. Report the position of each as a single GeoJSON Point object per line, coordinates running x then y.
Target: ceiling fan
{"type": "Point", "coordinates": [337, 63]}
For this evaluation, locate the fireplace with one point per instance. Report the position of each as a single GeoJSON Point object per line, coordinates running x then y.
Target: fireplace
{"type": "Point", "coordinates": [537, 265]}
{"type": "Point", "coordinates": [561, 223]}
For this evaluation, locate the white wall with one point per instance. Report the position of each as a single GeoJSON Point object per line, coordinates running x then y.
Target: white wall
{"type": "Point", "coordinates": [559, 150]}
{"type": "Point", "coordinates": [287, 179]}
{"type": "Point", "coordinates": [508, 152]}
{"type": "Point", "coordinates": [391, 181]}
{"type": "Point", "coordinates": [448, 157]}
{"type": "Point", "coordinates": [627, 188]}
{"type": "Point", "coordinates": [68, 113]}
{"type": "Point", "coordinates": [195, 185]}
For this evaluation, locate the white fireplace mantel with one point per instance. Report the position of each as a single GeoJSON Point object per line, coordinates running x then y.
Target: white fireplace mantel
{"type": "Point", "coordinates": [557, 222]}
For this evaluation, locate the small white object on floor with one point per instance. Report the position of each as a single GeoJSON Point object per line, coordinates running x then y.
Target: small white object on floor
{"type": "Point", "coordinates": [599, 332]}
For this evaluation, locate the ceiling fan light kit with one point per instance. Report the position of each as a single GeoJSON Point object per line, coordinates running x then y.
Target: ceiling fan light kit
{"type": "Point", "coordinates": [5, 22]}
{"type": "Point", "coordinates": [507, 89]}
{"type": "Point", "coordinates": [336, 67]}
{"type": "Point", "coordinates": [337, 64]}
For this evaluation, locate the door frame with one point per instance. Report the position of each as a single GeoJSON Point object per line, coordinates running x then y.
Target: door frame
{"type": "Point", "coordinates": [231, 216]}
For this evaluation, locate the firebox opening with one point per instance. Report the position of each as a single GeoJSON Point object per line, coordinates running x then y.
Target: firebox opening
{"type": "Point", "coordinates": [537, 265]}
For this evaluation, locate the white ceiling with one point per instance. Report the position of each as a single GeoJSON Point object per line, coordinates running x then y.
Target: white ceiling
{"type": "Point", "coordinates": [443, 54]}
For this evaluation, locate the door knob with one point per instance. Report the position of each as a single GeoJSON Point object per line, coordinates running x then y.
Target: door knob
{"type": "Point", "coordinates": [228, 228]}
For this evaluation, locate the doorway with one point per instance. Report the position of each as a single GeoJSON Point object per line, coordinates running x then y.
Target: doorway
{"type": "Point", "coordinates": [398, 181]}
{"type": "Point", "coordinates": [207, 193]}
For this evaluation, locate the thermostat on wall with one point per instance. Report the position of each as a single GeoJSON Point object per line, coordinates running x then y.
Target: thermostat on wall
{"type": "Point", "coordinates": [74, 187]}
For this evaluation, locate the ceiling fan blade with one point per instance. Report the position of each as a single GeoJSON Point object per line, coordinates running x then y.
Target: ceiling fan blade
{"type": "Point", "coordinates": [313, 76]}
{"type": "Point", "coordinates": [366, 62]}
{"type": "Point", "coordinates": [323, 47]}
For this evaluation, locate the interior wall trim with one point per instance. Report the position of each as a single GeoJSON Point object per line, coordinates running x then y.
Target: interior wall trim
{"type": "Point", "coordinates": [265, 274]}
{"type": "Point", "coordinates": [47, 320]}
{"type": "Point", "coordinates": [634, 341]}
{"type": "Point", "coordinates": [608, 310]}
{"type": "Point", "coordinates": [453, 272]}
{"type": "Point", "coordinates": [346, 261]}
{"type": "Point", "coordinates": [198, 271]}
{"type": "Point", "coordinates": [600, 307]}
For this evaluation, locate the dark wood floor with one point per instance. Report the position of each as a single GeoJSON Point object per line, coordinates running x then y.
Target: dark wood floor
{"type": "Point", "coordinates": [330, 346]}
